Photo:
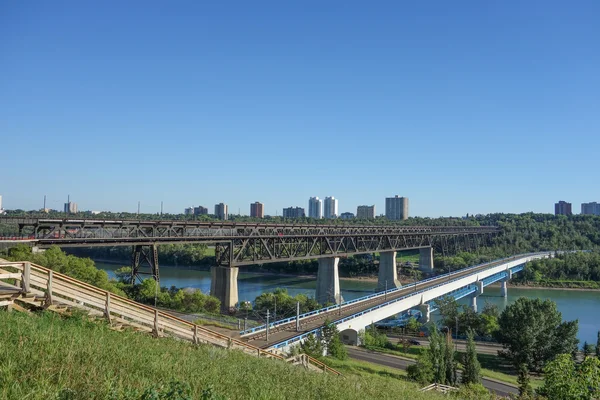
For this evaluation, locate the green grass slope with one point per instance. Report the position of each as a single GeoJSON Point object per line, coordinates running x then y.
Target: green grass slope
{"type": "Point", "coordinates": [45, 356]}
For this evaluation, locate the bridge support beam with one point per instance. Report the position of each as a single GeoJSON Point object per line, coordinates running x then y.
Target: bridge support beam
{"type": "Point", "coordinates": [504, 288]}
{"type": "Point", "coordinates": [328, 281]}
{"type": "Point", "coordinates": [425, 313]}
{"type": "Point", "coordinates": [388, 273]}
{"type": "Point", "coordinates": [223, 285]}
{"type": "Point", "coordinates": [426, 259]}
{"type": "Point", "coordinates": [144, 256]}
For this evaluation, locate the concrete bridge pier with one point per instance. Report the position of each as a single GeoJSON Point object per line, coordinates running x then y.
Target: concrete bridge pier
{"type": "Point", "coordinates": [328, 281]}
{"type": "Point", "coordinates": [504, 289]}
{"type": "Point", "coordinates": [474, 303]}
{"type": "Point", "coordinates": [426, 259]}
{"type": "Point", "coordinates": [223, 285]}
{"type": "Point", "coordinates": [425, 313]}
{"type": "Point", "coordinates": [388, 273]}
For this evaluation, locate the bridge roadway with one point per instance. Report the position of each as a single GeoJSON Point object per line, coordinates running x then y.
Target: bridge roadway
{"type": "Point", "coordinates": [282, 333]}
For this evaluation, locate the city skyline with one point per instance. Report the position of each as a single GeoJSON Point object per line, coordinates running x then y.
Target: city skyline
{"type": "Point", "coordinates": [473, 99]}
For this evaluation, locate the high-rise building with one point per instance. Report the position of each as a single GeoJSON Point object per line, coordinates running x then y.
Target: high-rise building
{"type": "Point", "coordinates": [330, 207]}
{"type": "Point", "coordinates": [70, 208]}
{"type": "Point", "coordinates": [189, 211]}
{"type": "Point", "coordinates": [396, 208]}
{"type": "Point", "coordinates": [315, 208]}
{"type": "Point", "coordinates": [293, 212]}
{"type": "Point", "coordinates": [346, 215]}
{"type": "Point", "coordinates": [592, 208]}
{"type": "Point", "coordinates": [257, 210]}
{"type": "Point", "coordinates": [221, 211]}
{"type": "Point", "coordinates": [200, 210]}
{"type": "Point", "coordinates": [1, 209]}
{"type": "Point", "coordinates": [562, 208]}
{"type": "Point", "coordinates": [365, 212]}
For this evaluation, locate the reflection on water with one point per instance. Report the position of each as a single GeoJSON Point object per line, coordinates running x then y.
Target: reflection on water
{"type": "Point", "coordinates": [581, 305]}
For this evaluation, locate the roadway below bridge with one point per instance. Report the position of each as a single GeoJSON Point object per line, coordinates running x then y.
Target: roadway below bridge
{"type": "Point", "coordinates": [388, 360]}
{"type": "Point", "coordinates": [287, 331]}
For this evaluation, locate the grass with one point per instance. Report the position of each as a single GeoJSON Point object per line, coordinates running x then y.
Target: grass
{"type": "Point", "coordinates": [45, 356]}
{"type": "Point", "coordinates": [208, 322]}
{"type": "Point", "coordinates": [363, 368]}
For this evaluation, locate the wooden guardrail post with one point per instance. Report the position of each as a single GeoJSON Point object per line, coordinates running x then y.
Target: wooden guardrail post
{"type": "Point", "coordinates": [25, 277]}
{"type": "Point", "coordinates": [107, 308]}
{"type": "Point", "coordinates": [195, 334]}
{"type": "Point", "coordinates": [49, 289]}
{"type": "Point", "coordinates": [155, 330]}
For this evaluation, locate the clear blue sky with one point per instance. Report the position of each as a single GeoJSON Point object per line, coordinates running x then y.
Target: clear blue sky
{"type": "Point", "coordinates": [462, 106]}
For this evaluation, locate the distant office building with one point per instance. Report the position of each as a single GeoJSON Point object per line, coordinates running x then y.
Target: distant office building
{"type": "Point", "coordinates": [221, 211]}
{"type": "Point", "coordinates": [330, 207]}
{"type": "Point", "coordinates": [70, 208]}
{"type": "Point", "coordinates": [396, 208]}
{"type": "Point", "coordinates": [293, 212]}
{"type": "Point", "coordinates": [189, 211]}
{"type": "Point", "coordinates": [315, 208]}
{"type": "Point", "coordinates": [1, 209]}
{"type": "Point", "coordinates": [346, 215]}
{"type": "Point", "coordinates": [592, 208]}
{"type": "Point", "coordinates": [200, 210]}
{"type": "Point", "coordinates": [562, 208]}
{"type": "Point", "coordinates": [365, 212]}
{"type": "Point", "coordinates": [257, 210]}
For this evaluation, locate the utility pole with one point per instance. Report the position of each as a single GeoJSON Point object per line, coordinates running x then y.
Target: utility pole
{"type": "Point", "coordinates": [275, 311]}
{"type": "Point", "coordinates": [385, 295]}
{"type": "Point", "coordinates": [267, 336]}
{"type": "Point", "coordinates": [297, 316]}
{"type": "Point", "coordinates": [138, 209]}
{"type": "Point", "coordinates": [456, 330]}
{"type": "Point", "coordinates": [161, 208]}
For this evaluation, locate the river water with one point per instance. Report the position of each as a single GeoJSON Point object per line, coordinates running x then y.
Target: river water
{"type": "Point", "coordinates": [573, 304]}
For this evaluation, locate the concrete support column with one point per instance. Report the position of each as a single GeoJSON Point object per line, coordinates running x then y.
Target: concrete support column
{"type": "Point", "coordinates": [474, 303]}
{"type": "Point", "coordinates": [425, 313]}
{"type": "Point", "coordinates": [479, 288]}
{"type": "Point", "coordinates": [426, 259]}
{"type": "Point", "coordinates": [328, 281]}
{"type": "Point", "coordinates": [504, 288]}
{"type": "Point", "coordinates": [388, 274]}
{"type": "Point", "coordinates": [223, 285]}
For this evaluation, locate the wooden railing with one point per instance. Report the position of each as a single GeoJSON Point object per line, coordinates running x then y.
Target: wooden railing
{"type": "Point", "coordinates": [42, 286]}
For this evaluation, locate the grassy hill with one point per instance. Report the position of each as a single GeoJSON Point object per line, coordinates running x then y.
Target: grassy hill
{"type": "Point", "coordinates": [45, 356]}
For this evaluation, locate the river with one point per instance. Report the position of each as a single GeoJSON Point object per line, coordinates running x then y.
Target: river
{"type": "Point", "coordinates": [573, 304]}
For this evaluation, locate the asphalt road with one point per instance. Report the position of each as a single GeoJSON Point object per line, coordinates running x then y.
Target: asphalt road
{"type": "Point", "coordinates": [461, 346]}
{"type": "Point", "coordinates": [388, 360]}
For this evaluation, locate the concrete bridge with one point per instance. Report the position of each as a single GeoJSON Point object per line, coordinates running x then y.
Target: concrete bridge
{"type": "Point", "coordinates": [239, 244]}
{"type": "Point", "coordinates": [353, 316]}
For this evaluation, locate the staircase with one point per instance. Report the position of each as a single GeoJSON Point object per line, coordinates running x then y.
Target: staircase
{"type": "Point", "coordinates": [24, 284]}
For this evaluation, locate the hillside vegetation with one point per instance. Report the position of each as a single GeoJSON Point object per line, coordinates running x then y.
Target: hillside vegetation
{"type": "Point", "coordinates": [45, 356]}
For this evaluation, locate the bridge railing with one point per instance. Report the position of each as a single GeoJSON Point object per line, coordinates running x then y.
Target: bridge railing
{"type": "Point", "coordinates": [371, 309]}
{"type": "Point", "coordinates": [51, 289]}
{"type": "Point", "coordinates": [277, 323]}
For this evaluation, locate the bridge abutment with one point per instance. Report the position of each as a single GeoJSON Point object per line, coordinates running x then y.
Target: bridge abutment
{"type": "Point", "coordinates": [388, 273]}
{"type": "Point", "coordinates": [328, 281]}
{"type": "Point", "coordinates": [426, 259]}
{"type": "Point", "coordinates": [223, 285]}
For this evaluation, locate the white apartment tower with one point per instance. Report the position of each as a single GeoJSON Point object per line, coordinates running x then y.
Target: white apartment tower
{"type": "Point", "coordinates": [330, 207]}
{"type": "Point", "coordinates": [315, 208]}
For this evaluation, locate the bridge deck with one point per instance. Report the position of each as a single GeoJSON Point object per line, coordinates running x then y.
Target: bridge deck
{"type": "Point", "coordinates": [287, 331]}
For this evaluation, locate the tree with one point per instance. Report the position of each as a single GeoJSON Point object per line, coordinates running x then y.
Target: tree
{"type": "Point", "coordinates": [564, 380]}
{"type": "Point", "coordinates": [448, 309]}
{"type": "Point", "coordinates": [450, 361]}
{"type": "Point", "coordinates": [312, 346]}
{"type": "Point", "coordinates": [532, 333]}
{"type": "Point", "coordinates": [413, 325]}
{"type": "Point", "coordinates": [524, 382]}
{"type": "Point", "coordinates": [588, 349]}
{"type": "Point", "coordinates": [598, 345]}
{"type": "Point", "coordinates": [422, 371]}
{"type": "Point", "coordinates": [471, 367]}
{"type": "Point", "coordinates": [330, 337]}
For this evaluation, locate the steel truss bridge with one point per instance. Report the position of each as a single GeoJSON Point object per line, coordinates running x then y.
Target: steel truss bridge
{"type": "Point", "coordinates": [239, 244]}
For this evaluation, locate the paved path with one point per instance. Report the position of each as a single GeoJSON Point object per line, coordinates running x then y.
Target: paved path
{"type": "Point", "coordinates": [482, 348]}
{"type": "Point", "coordinates": [389, 360]}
